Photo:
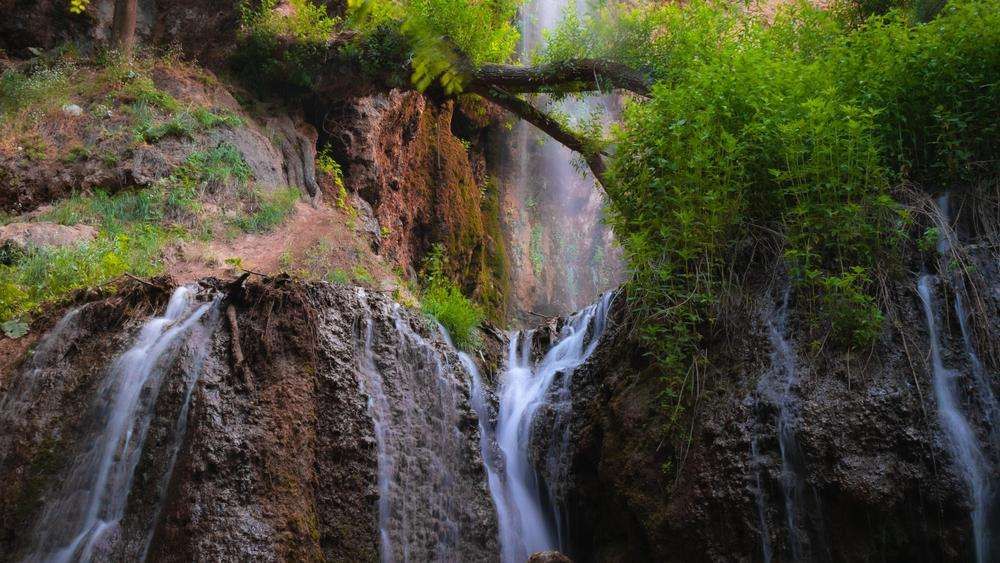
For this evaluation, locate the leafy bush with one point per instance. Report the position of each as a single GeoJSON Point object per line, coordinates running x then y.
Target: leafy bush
{"type": "Point", "coordinates": [286, 48]}
{"type": "Point", "coordinates": [790, 131]}
{"type": "Point", "coordinates": [443, 301]}
{"type": "Point", "coordinates": [440, 32]}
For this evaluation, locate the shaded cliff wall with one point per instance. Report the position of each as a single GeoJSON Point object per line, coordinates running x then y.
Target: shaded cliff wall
{"type": "Point", "coordinates": [653, 483]}
{"type": "Point", "coordinates": [425, 185]}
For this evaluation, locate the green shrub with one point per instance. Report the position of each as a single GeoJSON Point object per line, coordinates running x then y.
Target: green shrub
{"type": "Point", "coordinates": [283, 49]}
{"type": "Point", "coordinates": [48, 274]}
{"type": "Point", "coordinates": [443, 301]}
{"type": "Point", "coordinates": [142, 90]}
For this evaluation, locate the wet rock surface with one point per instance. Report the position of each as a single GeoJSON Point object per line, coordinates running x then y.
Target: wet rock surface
{"type": "Point", "coordinates": [278, 461]}
{"type": "Point", "coordinates": [878, 481]}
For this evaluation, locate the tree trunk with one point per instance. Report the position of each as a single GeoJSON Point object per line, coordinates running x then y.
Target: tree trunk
{"type": "Point", "coordinates": [123, 26]}
{"type": "Point", "coordinates": [573, 141]}
{"type": "Point", "coordinates": [574, 75]}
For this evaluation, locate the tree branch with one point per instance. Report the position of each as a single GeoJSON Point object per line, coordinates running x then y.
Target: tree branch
{"type": "Point", "coordinates": [575, 75]}
{"type": "Point", "coordinates": [546, 123]}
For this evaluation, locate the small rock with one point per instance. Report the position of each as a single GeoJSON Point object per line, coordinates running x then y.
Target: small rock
{"type": "Point", "coordinates": [36, 235]}
{"type": "Point", "coordinates": [549, 557]}
{"type": "Point", "coordinates": [72, 110]}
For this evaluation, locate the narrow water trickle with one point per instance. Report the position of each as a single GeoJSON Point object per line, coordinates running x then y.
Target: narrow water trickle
{"type": "Point", "coordinates": [981, 378]}
{"type": "Point", "coordinates": [962, 442]}
{"type": "Point", "coordinates": [761, 501]}
{"type": "Point", "coordinates": [535, 519]}
{"type": "Point", "coordinates": [92, 497]}
{"type": "Point", "coordinates": [802, 512]}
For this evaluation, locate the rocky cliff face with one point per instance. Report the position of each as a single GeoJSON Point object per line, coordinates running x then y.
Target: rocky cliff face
{"type": "Point", "coordinates": [425, 187]}
{"type": "Point", "coordinates": [281, 454]}
{"type": "Point", "coordinates": [875, 476]}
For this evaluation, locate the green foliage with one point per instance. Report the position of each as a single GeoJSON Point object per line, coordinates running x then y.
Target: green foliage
{"type": "Point", "coordinates": [267, 210]}
{"type": "Point", "coordinates": [328, 165]}
{"type": "Point", "coordinates": [283, 48]}
{"type": "Point", "coordinates": [929, 240]}
{"type": "Point", "coordinates": [444, 301]}
{"type": "Point", "coordinates": [143, 90]}
{"type": "Point", "coordinates": [792, 132]}
{"type": "Point", "coordinates": [441, 33]}
{"type": "Point", "coordinates": [46, 274]}
{"type": "Point", "coordinates": [38, 87]}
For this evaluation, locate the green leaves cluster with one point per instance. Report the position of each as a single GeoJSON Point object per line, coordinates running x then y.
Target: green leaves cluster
{"type": "Point", "coordinates": [443, 301]}
{"type": "Point", "coordinates": [283, 48]}
{"type": "Point", "coordinates": [786, 135]}
{"type": "Point", "coordinates": [440, 33]}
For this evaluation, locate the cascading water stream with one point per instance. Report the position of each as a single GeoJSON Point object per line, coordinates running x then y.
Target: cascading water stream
{"type": "Point", "coordinates": [93, 495]}
{"type": "Point", "coordinates": [534, 518]}
{"type": "Point", "coordinates": [982, 380]}
{"type": "Point", "coordinates": [961, 438]}
{"type": "Point", "coordinates": [418, 443]}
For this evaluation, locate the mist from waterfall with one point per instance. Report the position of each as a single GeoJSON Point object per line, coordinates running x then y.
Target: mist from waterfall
{"type": "Point", "coordinates": [91, 499]}
{"type": "Point", "coordinates": [536, 520]}
{"type": "Point", "coordinates": [563, 256]}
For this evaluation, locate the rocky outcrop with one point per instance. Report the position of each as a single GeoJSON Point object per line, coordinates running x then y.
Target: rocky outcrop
{"type": "Point", "coordinates": [706, 479]}
{"type": "Point", "coordinates": [425, 187]}
{"type": "Point", "coordinates": [26, 236]}
{"type": "Point", "coordinates": [277, 461]}
{"type": "Point", "coordinates": [97, 149]}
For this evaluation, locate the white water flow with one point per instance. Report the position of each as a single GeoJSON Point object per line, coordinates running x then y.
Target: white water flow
{"type": "Point", "coordinates": [92, 497]}
{"type": "Point", "coordinates": [487, 435]}
{"type": "Point", "coordinates": [765, 535]}
{"type": "Point", "coordinates": [535, 521]}
{"type": "Point", "coordinates": [779, 388]}
{"type": "Point", "coordinates": [980, 376]}
{"type": "Point", "coordinates": [961, 441]}
{"type": "Point", "coordinates": [419, 444]}
{"type": "Point", "coordinates": [961, 438]}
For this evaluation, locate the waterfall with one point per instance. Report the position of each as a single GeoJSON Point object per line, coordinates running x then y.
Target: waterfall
{"type": "Point", "coordinates": [802, 513]}
{"type": "Point", "coordinates": [961, 438]}
{"type": "Point", "coordinates": [535, 519]}
{"type": "Point", "coordinates": [982, 379]}
{"type": "Point", "coordinates": [414, 404]}
{"type": "Point", "coordinates": [487, 436]}
{"type": "Point", "coordinates": [92, 497]}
